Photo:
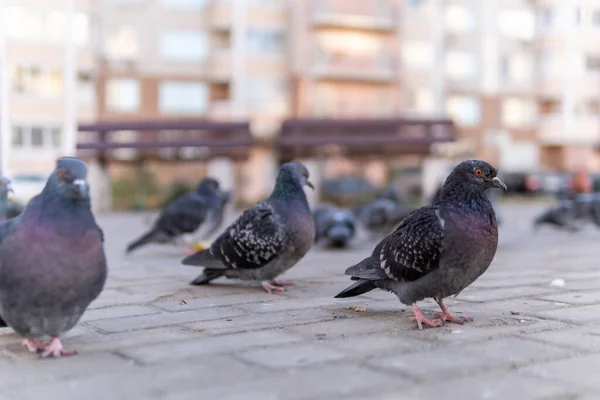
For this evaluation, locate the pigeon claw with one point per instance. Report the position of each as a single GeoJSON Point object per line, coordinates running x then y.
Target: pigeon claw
{"type": "Point", "coordinates": [271, 287]}
{"type": "Point", "coordinates": [34, 346]}
{"type": "Point", "coordinates": [421, 320]}
{"type": "Point", "coordinates": [446, 316]}
{"type": "Point", "coordinates": [55, 349]}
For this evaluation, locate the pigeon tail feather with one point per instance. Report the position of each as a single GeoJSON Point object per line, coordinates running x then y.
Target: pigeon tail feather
{"type": "Point", "coordinates": [147, 238]}
{"type": "Point", "coordinates": [356, 289]}
{"type": "Point", "coordinates": [207, 276]}
{"type": "Point", "coordinates": [204, 258]}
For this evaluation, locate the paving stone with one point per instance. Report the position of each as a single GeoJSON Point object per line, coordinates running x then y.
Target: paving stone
{"type": "Point", "coordinates": [578, 298]}
{"type": "Point", "coordinates": [164, 319]}
{"type": "Point", "coordinates": [583, 339]}
{"type": "Point", "coordinates": [117, 312]}
{"type": "Point", "coordinates": [497, 386]}
{"type": "Point", "coordinates": [291, 355]}
{"type": "Point", "coordinates": [194, 304]}
{"type": "Point", "coordinates": [476, 295]}
{"type": "Point", "coordinates": [183, 349]}
{"type": "Point", "coordinates": [573, 371]}
{"type": "Point", "coordinates": [575, 315]}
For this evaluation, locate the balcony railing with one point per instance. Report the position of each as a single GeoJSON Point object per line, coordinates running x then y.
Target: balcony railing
{"type": "Point", "coordinates": [371, 14]}
{"type": "Point", "coordinates": [346, 66]}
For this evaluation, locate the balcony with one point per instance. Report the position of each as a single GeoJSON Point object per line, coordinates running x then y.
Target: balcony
{"type": "Point", "coordinates": [218, 15]}
{"type": "Point", "coordinates": [355, 14]}
{"type": "Point", "coordinates": [585, 131]}
{"type": "Point", "coordinates": [219, 65]}
{"type": "Point", "coordinates": [350, 67]}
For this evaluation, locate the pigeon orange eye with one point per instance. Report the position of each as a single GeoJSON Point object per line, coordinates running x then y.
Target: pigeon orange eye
{"type": "Point", "coordinates": [478, 172]}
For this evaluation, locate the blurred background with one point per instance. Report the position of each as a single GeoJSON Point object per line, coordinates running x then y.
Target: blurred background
{"type": "Point", "coordinates": [156, 94]}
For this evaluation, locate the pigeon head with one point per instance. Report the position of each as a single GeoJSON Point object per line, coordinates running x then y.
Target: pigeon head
{"type": "Point", "coordinates": [294, 172]}
{"type": "Point", "coordinates": [69, 179]}
{"type": "Point", "coordinates": [471, 177]}
{"type": "Point", "coordinates": [208, 186]}
{"type": "Point", "coordinates": [5, 187]}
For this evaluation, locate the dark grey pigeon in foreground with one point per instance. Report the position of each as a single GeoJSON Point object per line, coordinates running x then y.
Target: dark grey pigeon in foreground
{"type": "Point", "coordinates": [52, 262]}
{"type": "Point", "coordinates": [438, 250]}
{"type": "Point", "coordinates": [265, 241]}
{"type": "Point", "coordinates": [335, 226]}
{"type": "Point", "coordinates": [199, 213]}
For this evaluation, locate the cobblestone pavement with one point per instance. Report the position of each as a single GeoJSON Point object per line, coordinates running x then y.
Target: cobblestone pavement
{"type": "Point", "coordinates": [152, 336]}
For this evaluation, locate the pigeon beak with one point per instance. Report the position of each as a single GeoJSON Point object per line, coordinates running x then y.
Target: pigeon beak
{"type": "Point", "coordinates": [82, 187]}
{"type": "Point", "coordinates": [309, 184]}
{"type": "Point", "coordinates": [496, 182]}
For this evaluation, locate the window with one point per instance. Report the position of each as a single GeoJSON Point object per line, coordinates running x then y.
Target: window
{"type": "Point", "coordinates": [516, 67]}
{"type": "Point", "coordinates": [545, 19]}
{"type": "Point", "coordinates": [183, 98]}
{"type": "Point", "coordinates": [185, 5]}
{"type": "Point", "coordinates": [417, 54]}
{"type": "Point", "coordinates": [517, 24]}
{"type": "Point", "coordinates": [122, 95]}
{"type": "Point", "coordinates": [32, 80]}
{"type": "Point", "coordinates": [465, 110]}
{"type": "Point", "coordinates": [420, 101]}
{"type": "Point", "coordinates": [36, 137]}
{"type": "Point", "coordinates": [460, 65]}
{"type": "Point", "coordinates": [596, 18]}
{"type": "Point", "coordinates": [81, 28]}
{"type": "Point", "coordinates": [265, 88]}
{"type": "Point", "coordinates": [183, 46]}
{"type": "Point", "coordinates": [265, 41]}
{"type": "Point", "coordinates": [23, 23]}
{"type": "Point", "coordinates": [459, 19]}
{"type": "Point", "coordinates": [122, 43]}
{"type": "Point", "coordinates": [517, 112]}
{"type": "Point", "coordinates": [592, 63]}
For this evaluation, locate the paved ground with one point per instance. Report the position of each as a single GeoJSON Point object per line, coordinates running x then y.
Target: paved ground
{"type": "Point", "coordinates": [151, 336]}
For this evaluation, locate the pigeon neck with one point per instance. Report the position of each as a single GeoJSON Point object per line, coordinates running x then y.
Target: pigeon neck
{"type": "Point", "coordinates": [288, 189]}
{"type": "Point", "coordinates": [465, 196]}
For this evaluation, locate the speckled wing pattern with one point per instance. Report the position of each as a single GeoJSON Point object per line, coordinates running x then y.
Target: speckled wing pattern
{"type": "Point", "coordinates": [414, 249]}
{"type": "Point", "coordinates": [253, 240]}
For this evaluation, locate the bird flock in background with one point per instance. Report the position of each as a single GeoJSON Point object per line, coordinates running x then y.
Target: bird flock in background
{"type": "Point", "coordinates": [53, 264]}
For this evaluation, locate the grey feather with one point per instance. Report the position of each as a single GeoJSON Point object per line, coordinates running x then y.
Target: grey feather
{"type": "Point", "coordinates": [267, 239]}
{"type": "Point", "coordinates": [437, 250]}
{"type": "Point", "coordinates": [52, 261]}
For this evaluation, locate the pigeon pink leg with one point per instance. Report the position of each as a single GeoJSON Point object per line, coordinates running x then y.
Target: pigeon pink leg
{"type": "Point", "coordinates": [421, 320]}
{"type": "Point", "coordinates": [33, 345]}
{"type": "Point", "coordinates": [56, 349]}
{"type": "Point", "coordinates": [448, 317]}
{"type": "Point", "coordinates": [271, 288]}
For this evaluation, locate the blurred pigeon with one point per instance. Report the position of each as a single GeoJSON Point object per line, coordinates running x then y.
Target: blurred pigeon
{"type": "Point", "coordinates": [382, 215]}
{"type": "Point", "coordinates": [199, 213]}
{"type": "Point", "coordinates": [334, 225]}
{"type": "Point", "coordinates": [45, 288]}
{"type": "Point", "coordinates": [266, 240]}
{"type": "Point", "coordinates": [392, 193]}
{"type": "Point", "coordinates": [438, 250]}
{"type": "Point", "coordinates": [5, 189]}
{"type": "Point", "coordinates": [562, 216]}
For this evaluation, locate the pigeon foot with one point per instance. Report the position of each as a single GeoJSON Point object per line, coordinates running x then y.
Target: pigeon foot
{"type": "Point", "coordinates": [446, 316]}
{"type": "Point", "coordinates": [34, 346]}
{"type": "Point", "coordinates": [421, 320]}
{"type": "Point", "coordinates": [272, 287]}
{"type": "Point", "coordinates": [56, 349]}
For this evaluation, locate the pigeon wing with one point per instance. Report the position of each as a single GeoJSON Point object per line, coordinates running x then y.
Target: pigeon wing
{"type": "Point", "coordinates": [253, 240]}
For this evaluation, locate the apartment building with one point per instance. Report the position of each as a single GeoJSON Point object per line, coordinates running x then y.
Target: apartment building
{"type": "Point", "coordinates": [519, 77]}
{"type": "Point", "coordinates": [35, 55]}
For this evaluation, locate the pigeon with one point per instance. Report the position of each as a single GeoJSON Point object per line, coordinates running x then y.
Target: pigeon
{"type": "Point", "coordinates": [335, 226]}
{"type": "Point", "coordinates": [382, 215]}
{"type": "Point", "coordinates": [265, 240]}
{"type": "Point", "coordinates": [562, 216]}
{"type": "Point", "coordinates": [46, 287]}
{"type": "Point", "coordinates": [493, 196]}
{"type": "Point", "coordinates": [199, 213]}
{"type": "Point", "coordinates": [439, 249]}
{"type": "Point", "coordinates": [5, 189]}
